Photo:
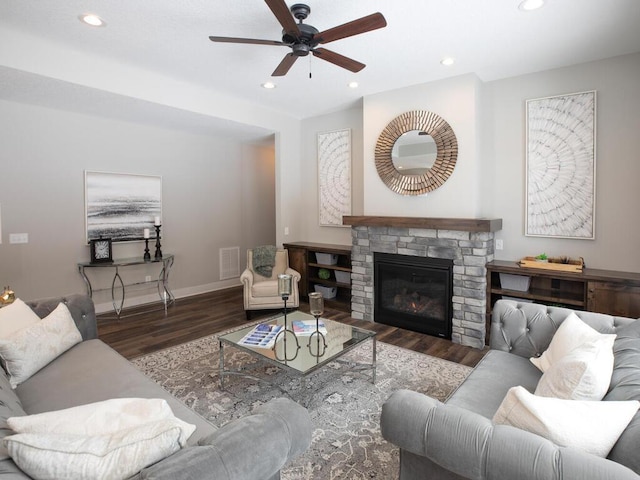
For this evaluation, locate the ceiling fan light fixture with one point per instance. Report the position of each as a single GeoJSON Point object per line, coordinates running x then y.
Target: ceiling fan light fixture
{"type": "Point", "coordinates": [529, 5]}
{"type": "Point", "coordinates": [447, 61]}
{"type": "Point", "coordinates": [269, 85]}
{"type": "Point", "coordinates": [92, 20]}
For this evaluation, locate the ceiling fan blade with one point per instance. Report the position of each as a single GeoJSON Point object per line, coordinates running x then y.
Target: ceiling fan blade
{"type": "Point", "coordinates": [246, 40]}
{"type": "Point", "coordinates": [282, 13]}
{"type": "Point", "coordinates": [286, 63]}
{"type": "Point", "coordinates": [339, 60]}
{"type": "Point", "coordinates": [355, 27]}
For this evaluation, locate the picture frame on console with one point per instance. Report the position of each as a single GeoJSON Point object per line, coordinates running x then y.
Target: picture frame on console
{"type": "Point", "coordinates": [121, 206]}
{"type": "Point", "coordinates": [561, 166]}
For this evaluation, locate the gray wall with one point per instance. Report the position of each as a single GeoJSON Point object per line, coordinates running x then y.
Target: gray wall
{"type": "Point", "coordinates": [309, 218]}
{"type": "Point", "coordinates": [489, 179]}
{"type": "Point", "coordinates": [617, 82]}
{"type": "Point", "coordinates": [216, 193]}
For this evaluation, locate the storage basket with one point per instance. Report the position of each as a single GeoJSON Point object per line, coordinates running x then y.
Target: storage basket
{"type": "Point", "coordinates": [326, 258]}
{"type": "Point", "coordinates": [327, 292]}
{"type": "Point", "coordinates": [343, 277]}
{"type": "Point", "coordinates": [515, 282]}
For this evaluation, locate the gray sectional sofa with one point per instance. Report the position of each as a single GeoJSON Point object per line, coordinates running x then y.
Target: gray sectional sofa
{"type": "Point", "coordinates": [458, 440]}
{"type": "Point", "coordinates": [252, 448]}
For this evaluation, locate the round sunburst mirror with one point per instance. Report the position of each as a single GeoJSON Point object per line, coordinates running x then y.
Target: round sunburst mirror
{"type": "Point", "coordinates": [416, 153]}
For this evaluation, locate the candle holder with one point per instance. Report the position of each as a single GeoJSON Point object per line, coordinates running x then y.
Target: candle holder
{"type": "Point", "coordinates": [316, 308]}
{"type": "Point", "coordinates": [147, 255]}
{"type": "Point", "coordinates": [284, 290]}
{"type": "Point", "coordinates": [158, 254]}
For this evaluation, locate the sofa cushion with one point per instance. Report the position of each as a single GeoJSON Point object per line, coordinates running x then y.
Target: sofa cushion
{"type": "Point", "coordinates": [15, 317]}
{"type": "Point", "coordinates": [29, 349]}
{"type": "Point", "coordinates": [483, 390]}
{"type": "Point", "coordinates": [10, 406]}
{"type": "Point", "coordinates": [593, 427]}
{"type": "Point", "coordinates": [112, 439]}
{"type": "Point", "coordinates": [572, 333]}
{"type": "Point", "coordinates": [583, 374]}
{"type": "Point", "coordinates": [92, 371]}
{"type": "Point", "coordinates": [625, 385]}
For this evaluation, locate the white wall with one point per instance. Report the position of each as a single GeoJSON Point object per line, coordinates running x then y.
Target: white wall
{"type": "Point", "coordinates": [617, 82]}
{"type": "Point", "coordinates": [216, 193]}
{"type": "Point", "coordinates": [454, 100]}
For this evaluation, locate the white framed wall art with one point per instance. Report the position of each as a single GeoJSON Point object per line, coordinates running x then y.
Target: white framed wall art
{"type": "Point", "coordinates": [334, 176]}
{"type": "Point", "coordinates": [561, 166]}
{"type": "Point", "coordinates": [120, 206]}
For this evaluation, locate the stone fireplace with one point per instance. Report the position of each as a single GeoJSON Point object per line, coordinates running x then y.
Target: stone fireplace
{"type": "Point", "coordinates": [469, 243]}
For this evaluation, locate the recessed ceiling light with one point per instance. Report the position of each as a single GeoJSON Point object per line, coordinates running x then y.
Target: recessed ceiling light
{"type": "Point", "coordinates": [447, 61]}
{"type": "Point", "coordinates": [91, 19]}
{"type": "Point", "coordinates": [353, 84]}
{"type": "Point", "coordinates": [529, 5]}
{"type": "Point", "coordinates": [268, 85]}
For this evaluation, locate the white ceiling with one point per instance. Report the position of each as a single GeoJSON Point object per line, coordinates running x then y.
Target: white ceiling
{"type": "Point", "coordinates": [491, 38]}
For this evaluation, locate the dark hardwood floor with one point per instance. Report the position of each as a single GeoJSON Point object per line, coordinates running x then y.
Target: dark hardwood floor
{"type": "Point", "coordinates": [190, 318]}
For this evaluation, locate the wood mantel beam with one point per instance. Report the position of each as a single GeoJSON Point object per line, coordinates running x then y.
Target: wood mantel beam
{"type": "Point", "coordinates": [460, 224]}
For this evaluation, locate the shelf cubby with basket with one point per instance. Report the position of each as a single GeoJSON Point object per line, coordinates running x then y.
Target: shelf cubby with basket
{"type": "Point", "coordinates": [310, 259]}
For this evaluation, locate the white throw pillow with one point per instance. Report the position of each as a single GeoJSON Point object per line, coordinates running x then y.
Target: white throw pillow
{"type": "Point", "coordinates": [571, 333]}
{"type": "Point", "coordinates": [583, 374]}
{"type": "Point", "coordinates": [15, 317]}
{"type": "Point", "coordinates": [593, 427]}
{"type": "Point", "coordinates": [113, 439]}
{"type": "Point", "coordinates": [27, 350]}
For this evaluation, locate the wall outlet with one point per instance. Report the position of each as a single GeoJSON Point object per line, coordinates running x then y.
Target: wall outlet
{"type": "Point", "coordinates": [499, 244]}
{"type": "Point", "coordinates": [286, 230]}
{"type": "Point", "coordinates": [19, 238]}
{"type": "Point", "coordinates": [147, 278]}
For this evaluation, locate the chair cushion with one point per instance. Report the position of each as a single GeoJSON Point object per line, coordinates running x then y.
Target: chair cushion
{"type": "Point", "coordinates": [266, 288]}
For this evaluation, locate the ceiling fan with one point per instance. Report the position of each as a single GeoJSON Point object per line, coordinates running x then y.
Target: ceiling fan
{"type": "Point", "coordinates": [303, 38]}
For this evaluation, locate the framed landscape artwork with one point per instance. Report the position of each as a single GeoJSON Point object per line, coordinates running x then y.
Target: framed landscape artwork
{"type": "Point", "coordinates": [560, 166]}
{"type": "Point", "coordinates": [334, 177]}
{"type": "Point", "coordinates": [120, 206]}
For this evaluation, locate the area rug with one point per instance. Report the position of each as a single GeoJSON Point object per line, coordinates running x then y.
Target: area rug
{"type": "Point", "coordinates": [344, 405]}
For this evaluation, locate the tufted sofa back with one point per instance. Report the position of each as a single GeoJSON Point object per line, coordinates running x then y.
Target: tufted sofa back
{"type": "Point", "coordinates": [526, 329]}
{"type": "Point", "coordinates": [80, 306]}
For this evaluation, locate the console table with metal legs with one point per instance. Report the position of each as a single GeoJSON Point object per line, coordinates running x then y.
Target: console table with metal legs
{"type": "Point", "coordinates": [164, 292]}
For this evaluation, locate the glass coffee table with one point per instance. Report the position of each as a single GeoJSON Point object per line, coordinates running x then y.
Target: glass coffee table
{"type": "Point", "coordinates": [304, 356]}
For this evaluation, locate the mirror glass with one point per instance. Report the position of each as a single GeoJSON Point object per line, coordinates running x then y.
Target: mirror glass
{"type": "Point", "coordinates": [414, 153]}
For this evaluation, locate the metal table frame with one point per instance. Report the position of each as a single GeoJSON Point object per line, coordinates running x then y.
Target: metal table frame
{"type": "Point", "coordinates": [162, 282]}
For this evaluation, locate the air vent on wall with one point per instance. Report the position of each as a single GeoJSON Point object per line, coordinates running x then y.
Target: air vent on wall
{"type": "Point", "coordinates": [229, 262]}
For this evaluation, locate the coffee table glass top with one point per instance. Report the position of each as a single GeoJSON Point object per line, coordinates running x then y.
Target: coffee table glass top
{"type": "Point", "coordinates": [340, 338]}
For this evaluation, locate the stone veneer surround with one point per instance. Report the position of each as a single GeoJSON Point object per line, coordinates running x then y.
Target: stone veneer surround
{"type": "Point", "coordinates": [469, 249]}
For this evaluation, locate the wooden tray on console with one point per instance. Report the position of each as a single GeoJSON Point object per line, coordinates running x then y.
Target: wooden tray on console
{"type": "Point", "coordinates": [572, 265]}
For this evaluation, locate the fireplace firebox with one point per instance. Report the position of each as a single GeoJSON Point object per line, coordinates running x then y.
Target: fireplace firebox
{"type": "Point", "coordinates": [414, 293]}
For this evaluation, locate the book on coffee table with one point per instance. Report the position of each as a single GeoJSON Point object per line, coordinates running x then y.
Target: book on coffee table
{"type": "Point", "coordinates": [305, 328]}
{"type": "Point", "coordinates": [262, 335]}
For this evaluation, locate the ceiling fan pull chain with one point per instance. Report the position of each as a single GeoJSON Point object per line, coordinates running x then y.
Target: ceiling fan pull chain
{"type": "Point", "coordinates": [309, 67]}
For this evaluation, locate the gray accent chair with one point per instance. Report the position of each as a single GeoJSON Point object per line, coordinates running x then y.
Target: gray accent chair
{"type": "Point", "coordinates": [458, 440]}
{"type": "Point", "coordinates": [252, 448]}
